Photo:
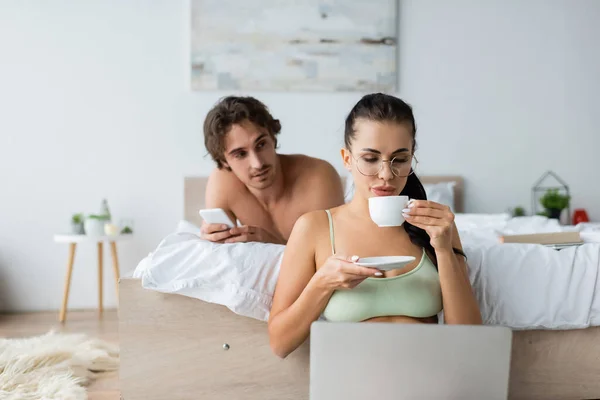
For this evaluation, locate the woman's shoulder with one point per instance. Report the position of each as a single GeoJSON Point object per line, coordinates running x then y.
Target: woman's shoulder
{"type": "Point", "coordinates": [314, 223]}
{"type": "Point", "coordinates": [311, 235]}
{"type": "Point", "coordinates": [320, 218]}
{"type": "Point", "coordinates": [311, 221]}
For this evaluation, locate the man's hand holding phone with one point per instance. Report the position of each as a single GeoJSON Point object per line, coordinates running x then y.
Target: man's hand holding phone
{"type": "Point", "coordinates": [219, 233]}
{"type": "Point", "coordinates": [219, 228]}
{"type": "Point", "coordinates": [216, 225]}
{"type": "Point", "coordinates": [215, 232]}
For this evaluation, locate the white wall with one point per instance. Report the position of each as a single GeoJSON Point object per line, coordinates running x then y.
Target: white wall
{"type": "Point", "coordinates": [95, 103]}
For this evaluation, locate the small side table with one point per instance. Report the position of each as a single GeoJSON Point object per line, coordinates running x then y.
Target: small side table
{"type": "Point", "coordinates": [73, 240]}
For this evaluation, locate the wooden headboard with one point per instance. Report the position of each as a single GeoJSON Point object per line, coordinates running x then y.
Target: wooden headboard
{"type": "Point", "coordinates": [194, 188]}
{"type": "Point", "coordinates": [193, 198]}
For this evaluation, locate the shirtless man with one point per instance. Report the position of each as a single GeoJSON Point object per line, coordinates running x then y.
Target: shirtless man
{"type": "Point", "coordinates": [266, 191]}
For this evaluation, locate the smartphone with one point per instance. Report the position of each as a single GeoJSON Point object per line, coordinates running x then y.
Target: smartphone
{"type": "Point", "coordinates": [216, 216]}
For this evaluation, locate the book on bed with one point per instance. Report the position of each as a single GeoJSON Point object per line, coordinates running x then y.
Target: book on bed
{"type": "Point", "coordinates": [560, 239]}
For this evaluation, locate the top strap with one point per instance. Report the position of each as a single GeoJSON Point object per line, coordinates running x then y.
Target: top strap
{"type": "Point", "coordinates": [331, 234]}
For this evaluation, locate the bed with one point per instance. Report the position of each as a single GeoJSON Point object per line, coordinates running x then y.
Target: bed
{"type": "Point", "coordinates": [177, 347]}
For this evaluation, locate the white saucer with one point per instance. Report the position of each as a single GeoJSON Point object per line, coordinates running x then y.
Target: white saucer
{"type": "Point", "coordinates": [385, 263]}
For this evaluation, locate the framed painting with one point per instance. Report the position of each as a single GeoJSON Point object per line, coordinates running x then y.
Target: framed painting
{"type": "Point", "coordinates": [282, 45]}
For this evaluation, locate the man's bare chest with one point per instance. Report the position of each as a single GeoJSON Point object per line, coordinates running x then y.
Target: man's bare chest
{"type": "Point", "coordinates": [278, 219]}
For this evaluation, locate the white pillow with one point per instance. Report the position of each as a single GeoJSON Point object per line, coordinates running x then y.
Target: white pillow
{"type": "Point", "coordinates": [186, 226]}
{"type": "Point", "coordinates": [442, 192]}
{"type": "Point", "coordinates": [144, 264]}
{"type": "Point", "coordinates": [240, 276]}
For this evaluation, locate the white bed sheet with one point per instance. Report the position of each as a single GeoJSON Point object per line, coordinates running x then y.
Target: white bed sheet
{"type": "Point", "coordinates": [528, 286]}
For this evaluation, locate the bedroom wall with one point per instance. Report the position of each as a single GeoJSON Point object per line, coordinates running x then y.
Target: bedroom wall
{"type": "Point", "coordinates": [95, 103]}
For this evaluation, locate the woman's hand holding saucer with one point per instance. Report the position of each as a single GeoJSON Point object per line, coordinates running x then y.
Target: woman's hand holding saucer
{"type": "Point", "coordinates": [434, 218]}
{"type": "Point", "coordinates": [340, 272]}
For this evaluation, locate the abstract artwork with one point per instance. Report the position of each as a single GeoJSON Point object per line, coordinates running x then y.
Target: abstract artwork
{"type": "Point", "coordinates": [286, 45]}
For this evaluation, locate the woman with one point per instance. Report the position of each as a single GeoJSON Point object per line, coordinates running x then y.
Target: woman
{"type": "Point", "coordinates": [318, 275]}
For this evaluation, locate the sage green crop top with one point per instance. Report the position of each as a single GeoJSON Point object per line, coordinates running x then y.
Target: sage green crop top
{"type": "Point", "coordinates": [416, 293]}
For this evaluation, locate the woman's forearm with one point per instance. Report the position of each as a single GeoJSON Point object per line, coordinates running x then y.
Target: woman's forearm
{"type": "Point", "coordinates": [290, 327]}
{"type": "Point", "coordinates": [460, 304]}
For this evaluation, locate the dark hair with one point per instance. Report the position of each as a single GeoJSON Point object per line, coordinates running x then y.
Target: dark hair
{"type": "Point", "coordinates": [233, 110]}
{"type": "Point", "coordinates": [385, 108]}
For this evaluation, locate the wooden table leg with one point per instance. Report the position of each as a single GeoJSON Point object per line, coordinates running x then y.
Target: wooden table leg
{"type": "Point", "coordinates": [100, 277]}
{"type": "Point", "coordinates": [63, 310]}
{"type": "Point", "coordinates": [115, 260]}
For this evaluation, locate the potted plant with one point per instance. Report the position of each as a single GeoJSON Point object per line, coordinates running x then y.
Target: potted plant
{"type": "Point", "coordinates": [518, 212]}
{"type": "Point", "coordinates": [554, 202]}
{"type": "Point", "coordinates": [77, 224]}
{"type": "Point", "coordinates": [126, 226]}
{"type": "Point", "coordinates": [94, 224]}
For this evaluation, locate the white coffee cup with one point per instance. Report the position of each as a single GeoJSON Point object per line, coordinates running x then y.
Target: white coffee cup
{"type": "Point", "coordinates": [387, 210]}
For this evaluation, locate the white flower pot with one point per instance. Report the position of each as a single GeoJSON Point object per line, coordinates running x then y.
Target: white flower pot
{"type": "Point", "coordinates": [94, 227]}
{"type": "Point", "coordinates": [77, 229]}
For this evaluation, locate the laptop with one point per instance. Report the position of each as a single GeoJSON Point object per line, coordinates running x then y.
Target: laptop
{"type": "Point", "coordinates": [387, 361]}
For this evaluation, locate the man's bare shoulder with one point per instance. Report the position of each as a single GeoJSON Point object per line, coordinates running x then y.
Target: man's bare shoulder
{"type": "Point", "coordinates": [311, 169]}
{"type": "Point", "coordinates": [315, 183]}
{"type": "Point", "coordinates": [220, 187]}
{"type": "Point", "coordinates": [224, 180]}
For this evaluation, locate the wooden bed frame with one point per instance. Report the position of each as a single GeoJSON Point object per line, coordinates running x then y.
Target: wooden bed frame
{"type": "Point", "coordinates": [176, 347]}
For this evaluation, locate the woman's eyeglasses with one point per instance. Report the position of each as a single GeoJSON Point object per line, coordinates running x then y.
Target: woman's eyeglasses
{"type": "Point", "coordinates": [401, 166]}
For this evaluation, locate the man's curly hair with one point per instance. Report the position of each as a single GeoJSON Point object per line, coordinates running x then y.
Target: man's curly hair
{"type": "Point", "coordinates": [233, 110]}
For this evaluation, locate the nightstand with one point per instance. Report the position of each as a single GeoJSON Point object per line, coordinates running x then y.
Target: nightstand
{"type": "Point", "coordinates": [73, 240]}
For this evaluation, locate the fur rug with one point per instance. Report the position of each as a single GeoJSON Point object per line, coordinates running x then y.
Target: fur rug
{"type": "Point", "coordinates": [53, 366]}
